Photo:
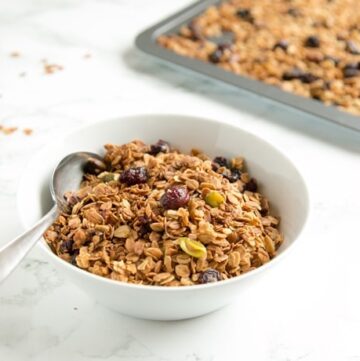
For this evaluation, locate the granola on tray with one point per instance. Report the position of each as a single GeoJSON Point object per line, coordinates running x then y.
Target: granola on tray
{"type": "Point", "coordinates": [152, 215]}
{"type": "Point", "coordinates": [308, 47]}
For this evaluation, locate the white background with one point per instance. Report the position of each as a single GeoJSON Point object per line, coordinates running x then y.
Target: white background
{"type": "Point", "coordinates": [306, 309]}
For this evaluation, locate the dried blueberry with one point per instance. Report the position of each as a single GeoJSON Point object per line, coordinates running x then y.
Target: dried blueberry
{"type": "Point", "coordinates": [294, 12]}
{"type": "Point", "coordinates": [308, 78]}
{"type": "Point", "coordinates": [296, 73]}
{"type": "Point", "coordinates": [293, 74]}
{"type": "Point", "coordinates": [215, 56]}
{"type": "Point", "coordinates": [195, 31]}
{"type": "Point", "coordinates": [327, 85]}
{"type": "Point", "coordinates": [352, 66]}
{"type": "Point", "coordinates": [221, 162]}
{"type": "Point", "coordinates": [350, 71]}
{"type": "Point", "coordinates": [67, 246]}
{"type": "Point", "coordinates": [175, 197]}
{"type": "Point", "coordinates": [282, 44]}
{"type": "Point", "coordinates": [245, 14]}
{"type": "Point", "coordinates": [159, 147]}
{"type": "Point", "coordinates": [352, 48]}
{"type": "Point", "coordinates": [210, 275]}
{"type": "Point", "coordinates": [135, 175]}
{"type": "Point", "coordinates": [73, 257]}
{"type": "Point", "coordinates": [251, 186]}
{"type": "Point", "coordinates": [94, 166]}
{"type": "Point", "coordinates": [233, 176]}
{"type": "Point", "coordinates": [223, 46]}
{"type": "Point", "coordinates": [312, 42]}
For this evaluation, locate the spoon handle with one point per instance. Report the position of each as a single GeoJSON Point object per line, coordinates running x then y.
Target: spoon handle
{"type": "Point", "coordinates": [13, 252]}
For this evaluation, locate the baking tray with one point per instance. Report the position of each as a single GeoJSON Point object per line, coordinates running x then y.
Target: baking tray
{"type": "Point", "coordinates": [146, 42]}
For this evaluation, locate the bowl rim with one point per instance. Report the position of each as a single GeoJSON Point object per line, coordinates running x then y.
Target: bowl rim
{"type": "Point", "coordinates": [127, 117]}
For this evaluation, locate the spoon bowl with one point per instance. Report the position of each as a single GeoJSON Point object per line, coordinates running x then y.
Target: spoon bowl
{"type": "Point", "coordinates": [66, 177]}
{"type": "Point", "coordinates": [68, 174]}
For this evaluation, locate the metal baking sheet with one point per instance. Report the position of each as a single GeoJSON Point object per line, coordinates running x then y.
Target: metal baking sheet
{"type": "Point", "coordinates": [146, 42]}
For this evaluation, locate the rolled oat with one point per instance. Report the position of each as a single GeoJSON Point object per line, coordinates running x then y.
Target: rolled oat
{"type": "Point", "coordinates": [308, 47]}
{"type": "Point", "coordinates": [122, 231]}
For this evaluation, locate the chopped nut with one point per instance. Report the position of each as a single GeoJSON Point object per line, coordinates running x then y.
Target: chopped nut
{"type": "Point", "coordinates": [214, 199]}
{"type": "Point", "coordinates": [192, 248]}
{"type": "Point", "coordinates": [294, 45]}
{"type": "Point", "coordinates": [123, 233]}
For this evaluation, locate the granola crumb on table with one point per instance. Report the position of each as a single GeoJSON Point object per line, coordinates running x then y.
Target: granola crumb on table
{"type": "Point", "coordinates": [120, 226]}
{"type": "Point", "coordinates": [308, 47]}
{"type": "Point", "coordinates": [10, 130]}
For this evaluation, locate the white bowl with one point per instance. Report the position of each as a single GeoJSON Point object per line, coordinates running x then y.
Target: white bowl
{"type": "Point", "coordinates": [278, 178]}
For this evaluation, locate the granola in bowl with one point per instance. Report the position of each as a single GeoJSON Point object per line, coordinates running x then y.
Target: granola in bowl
{"type": "Point", "coordinates": [152, 215]}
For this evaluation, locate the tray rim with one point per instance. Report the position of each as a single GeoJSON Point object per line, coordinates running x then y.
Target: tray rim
{"type": "Point", "coordinates": [146, 42]}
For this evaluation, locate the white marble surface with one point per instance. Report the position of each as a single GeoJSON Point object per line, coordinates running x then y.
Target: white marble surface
{"type": "Point", "coordinates": [308, 309]}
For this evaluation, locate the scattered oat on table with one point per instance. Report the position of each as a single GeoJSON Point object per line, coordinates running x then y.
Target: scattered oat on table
{"type": "Point", "coordinates": [15, 54]}
{"type": "Point", "coordinates": [51, 68]}
{"type": "Point", "coordinates": [155, 216]}
{"type": "Point", "coordinates": [308, 47]}
{"type": "Point", "coordinates": [11, 130]}
{"type": "Point", "coordinates": [28, 131]}
{"type": "Point", "coordinates": [8, 130]}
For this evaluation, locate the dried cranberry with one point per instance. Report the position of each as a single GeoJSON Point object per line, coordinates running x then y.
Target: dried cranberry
{"type": "Point", "coordinates": [312, 42]}
{"type": "Point", "coordinates": [175, 197]}
{"type": "Point", "coordinates": [94, 166]}
{"type": "Point", "coordinates": [144, 225]}
{"type": "Point", "coordinates": [245, 14]}
{"type": "Point", "coordinates": [233, 176]}
{"type": "Point", "coordinates": [221, 162]}
{"type": "Point", "coordinates": [251, 186]}
{"type": "Point", "coordinates": [210, 275]}
{"type": "Point", "coordinates": [159, 147]}
{"type": "Point", "coordinates": [282, 44]}
{"type": "Point", "coordinates": [135, 175]}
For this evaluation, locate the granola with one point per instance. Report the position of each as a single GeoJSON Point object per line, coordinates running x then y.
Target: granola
{"type": "Point", "coordinates": [308, 47]}
{"type": "Point", "coordinates": [152, 215]}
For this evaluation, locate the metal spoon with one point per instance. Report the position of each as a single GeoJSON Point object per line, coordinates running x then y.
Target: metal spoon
{"type": "Point", "coordinates": [66, 177]}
